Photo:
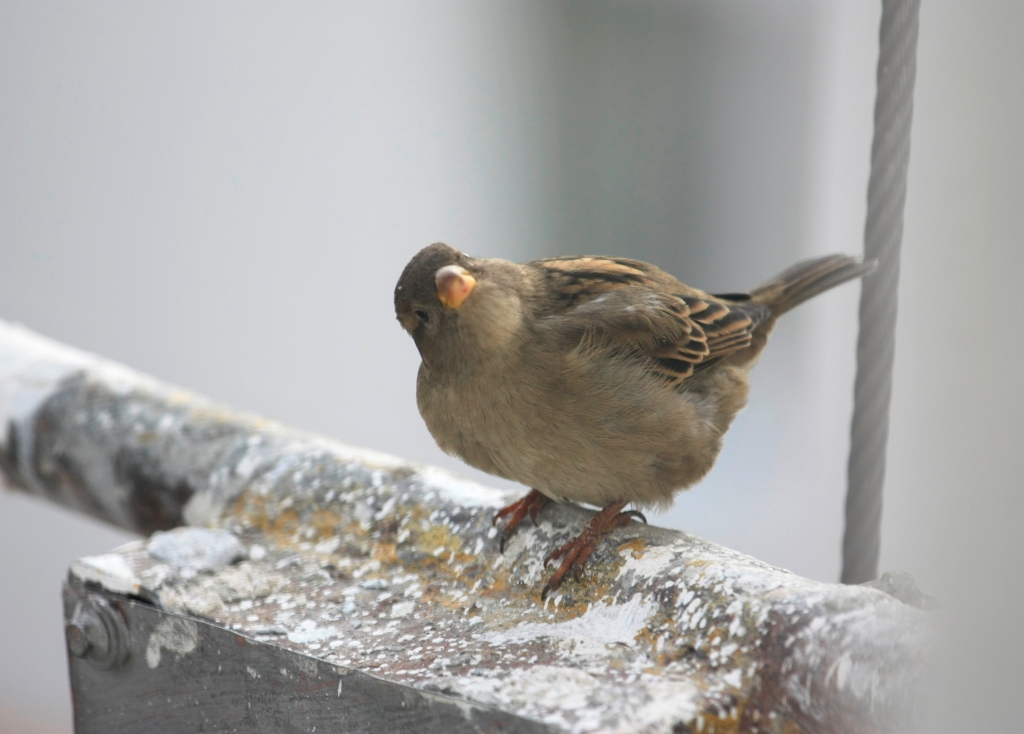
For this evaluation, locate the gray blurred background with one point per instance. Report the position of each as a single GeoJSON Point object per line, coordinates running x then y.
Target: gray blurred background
{"type": "Point", "coordinates": [223, 195]}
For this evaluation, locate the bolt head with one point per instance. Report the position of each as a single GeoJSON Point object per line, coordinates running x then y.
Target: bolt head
{"type": "Point", "coordinates": [97, 633]}
{"type": "Point", "coordinates": [78, 641]}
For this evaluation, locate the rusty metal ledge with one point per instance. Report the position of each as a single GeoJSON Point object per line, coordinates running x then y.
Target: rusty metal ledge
{"type": "Point", "coordinates": [375, 565]}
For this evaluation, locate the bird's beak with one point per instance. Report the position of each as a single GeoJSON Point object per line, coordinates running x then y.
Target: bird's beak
{"type": "Point", "coordinates": [454, 284]}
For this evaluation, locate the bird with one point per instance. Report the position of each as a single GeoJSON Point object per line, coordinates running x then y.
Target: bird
{"type": "Point", "coordinates": [590, 379]}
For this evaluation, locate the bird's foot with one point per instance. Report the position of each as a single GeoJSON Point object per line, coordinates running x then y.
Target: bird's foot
{"type": "Point", "coordinates": [530, 505]}
{"type": "Point", "coordinates": [575, 553]}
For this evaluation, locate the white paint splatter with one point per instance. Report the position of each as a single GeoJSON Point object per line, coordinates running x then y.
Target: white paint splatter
{"type": "Point", "coordinates": [402, 609]}
{"type": "Point", "coordinates": [111, 571]}
{"type": "Point", "coordinates": [651, 564]}
{"type": "Point", "coordinates": [733, 678]}
{"type": "Point", "coordinates": [670, 702]}
{"type": "Point", "coordinates": [547, 686]}
{"type": "Point", "coordinates": [308, 631]}
{"type": "Point", "coordinates": [174, 634]}
{"type": "Point", "coordinates": [603, 624]}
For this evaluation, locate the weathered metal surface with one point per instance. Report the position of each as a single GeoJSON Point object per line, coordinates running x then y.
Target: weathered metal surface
{"type": "Point", "coordinates": [375, 565]}
{"type": "Point", "coordinates": [185, 675]}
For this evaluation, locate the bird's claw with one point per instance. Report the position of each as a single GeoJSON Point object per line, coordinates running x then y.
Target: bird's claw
{"type": "Point", "coordinates": [635, 515]}
{"type": "Point", "coordinates": [529, 505]}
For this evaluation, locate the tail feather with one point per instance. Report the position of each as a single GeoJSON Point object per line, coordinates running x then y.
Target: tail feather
{"type": "Point", "coordinates": [807, 279]}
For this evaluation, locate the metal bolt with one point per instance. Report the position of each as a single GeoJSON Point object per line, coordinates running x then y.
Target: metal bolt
{"type": "Point", "coordinates": [97, 633]}
{"type": "Point", "coordinates": [78, 638]}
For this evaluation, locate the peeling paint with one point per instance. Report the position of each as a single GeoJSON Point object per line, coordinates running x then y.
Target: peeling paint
{"type": "Point", "coordinates": [195, 550]}
{"type": "Point", "coordinates": [174, 634]}
{"type": "Point", "coordinates": [111, 571]}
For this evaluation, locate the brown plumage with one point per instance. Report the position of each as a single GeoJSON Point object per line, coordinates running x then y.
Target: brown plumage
{"type": "Point", "coordinates": [591, 379]}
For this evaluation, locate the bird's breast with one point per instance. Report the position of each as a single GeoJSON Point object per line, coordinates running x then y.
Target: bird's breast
{"type": "Point", "coordinates": [582, 432]}
{"type": "Point", "coordinates": [486, 419]}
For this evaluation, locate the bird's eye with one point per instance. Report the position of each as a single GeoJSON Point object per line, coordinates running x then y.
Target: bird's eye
{"type": "Point", "coordinates": [422, 315]}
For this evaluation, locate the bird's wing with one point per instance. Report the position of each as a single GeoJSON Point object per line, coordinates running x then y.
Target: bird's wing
{"type": "Point", "coordinates": [626, 303]}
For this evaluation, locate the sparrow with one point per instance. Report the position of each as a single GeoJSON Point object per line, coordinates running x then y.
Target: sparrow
{"type": "Point", "coordinates": [598, 380]}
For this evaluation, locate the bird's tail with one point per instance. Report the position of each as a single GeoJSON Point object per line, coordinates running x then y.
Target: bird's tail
{"type": "Point", "coordinates": [807, 279]}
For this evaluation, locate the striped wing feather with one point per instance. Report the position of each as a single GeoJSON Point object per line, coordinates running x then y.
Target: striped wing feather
{"type": "Point", "coordinates": [678, 330]}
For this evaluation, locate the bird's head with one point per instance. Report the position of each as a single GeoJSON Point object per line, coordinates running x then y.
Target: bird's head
{"type": "Point", "coordinates": [457, 307]}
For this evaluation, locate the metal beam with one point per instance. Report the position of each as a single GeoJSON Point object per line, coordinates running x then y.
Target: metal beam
{"type": "Point", "coordinates": [356, 563]}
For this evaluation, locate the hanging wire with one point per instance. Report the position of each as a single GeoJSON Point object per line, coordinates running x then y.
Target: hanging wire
{"type": "Point", "coordinates": [883, 233]}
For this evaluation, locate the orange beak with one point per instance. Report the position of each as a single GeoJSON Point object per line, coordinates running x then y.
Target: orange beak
{"type": "Point", "coordinates": [454, 284]}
